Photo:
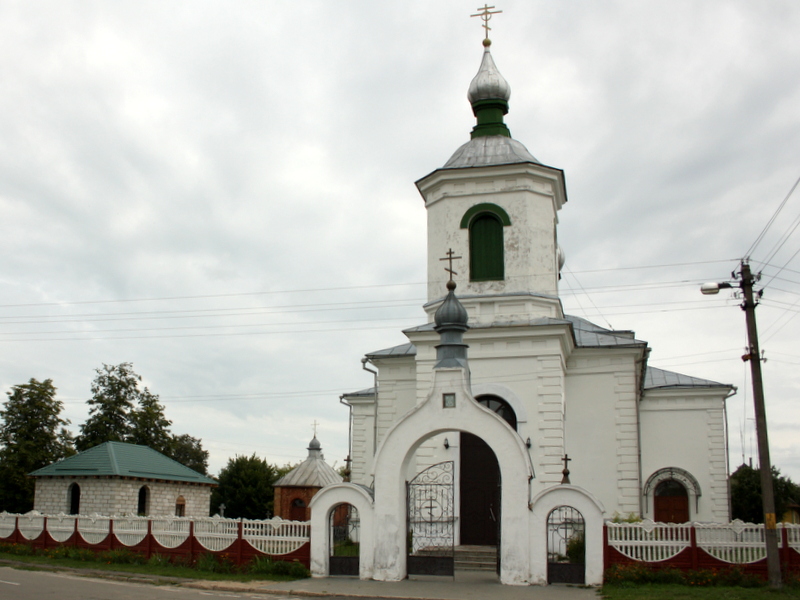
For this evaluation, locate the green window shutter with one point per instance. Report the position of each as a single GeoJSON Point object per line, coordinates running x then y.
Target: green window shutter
{"type": "Point", "coordinates": [486, 248]}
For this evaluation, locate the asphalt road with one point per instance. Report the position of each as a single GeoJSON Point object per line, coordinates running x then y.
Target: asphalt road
{"type": "Point", "coordinates": [40, 585]}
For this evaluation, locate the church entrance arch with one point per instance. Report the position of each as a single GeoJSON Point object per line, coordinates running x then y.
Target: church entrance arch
{"type": "Point", "coordinates": [480, 484]}
{"type": "Point", "coordinates": [431, 521]}
{"type": "Point", "coordinates": [345, 540]}
{"type": "Point", "coordinates": [566, 546]}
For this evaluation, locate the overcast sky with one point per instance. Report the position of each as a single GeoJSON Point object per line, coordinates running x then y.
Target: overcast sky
{"type": "Point", "coordinates": [222, 193]}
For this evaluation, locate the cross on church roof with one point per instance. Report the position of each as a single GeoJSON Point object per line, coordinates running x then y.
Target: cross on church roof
{"type": "Point", "coordinates": [485, 14]}
{"type": "Point", "coordinates": [314, 425]}
{"type": "Point", "coordinates": [450, 258]}
{"type": "Point", "coordinates": [565, 472]}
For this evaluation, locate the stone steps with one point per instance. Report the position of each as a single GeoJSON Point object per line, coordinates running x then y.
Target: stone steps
{"type": "Point", "coordinates": [475, 558]}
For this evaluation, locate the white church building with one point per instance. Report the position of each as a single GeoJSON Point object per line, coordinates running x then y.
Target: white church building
{"type": "Point", "coordinates": [503, 423]}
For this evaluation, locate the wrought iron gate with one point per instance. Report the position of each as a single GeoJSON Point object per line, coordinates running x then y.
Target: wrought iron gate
{"type": "Point", "coordinates": [431, 521]}
{"type": "Point", "coordinates": [344, 541]}
{"type": "Point", "coordinates": [566, 546]}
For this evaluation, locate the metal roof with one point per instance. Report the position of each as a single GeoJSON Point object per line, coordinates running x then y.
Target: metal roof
{"type": "Point", "coordinates": [365, 392]}
{"type": "Point", "coordinates": [122, 460]}
{"type": "Point", "coordinates": [312, 472]}
{"type": "Point", "coordinates": [490, 150]}
{"type": "Point", "coordinates": [589, 335]}
{"type": "Point", "coordinates": [660, 379]}
{"type": "Point", "coordinates": [401, 350]}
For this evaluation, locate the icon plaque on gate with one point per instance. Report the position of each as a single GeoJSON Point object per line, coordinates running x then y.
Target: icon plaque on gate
{"type": "Point", "coordinates": [449, 400]}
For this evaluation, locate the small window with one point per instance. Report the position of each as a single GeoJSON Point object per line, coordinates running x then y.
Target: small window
{"type": "Point", "coordinates": [144, 501]}
{"type": "Point", "coordinates": [74, 495]}
{"type": "Point", "coordinates": [180, 507]}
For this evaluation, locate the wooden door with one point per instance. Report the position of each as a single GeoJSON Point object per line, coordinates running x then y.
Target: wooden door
{"type": "Point", "coordinates": [671, 503]}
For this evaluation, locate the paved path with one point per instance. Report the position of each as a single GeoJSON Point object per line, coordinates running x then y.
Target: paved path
{"type": "Point", "coordinates": [475, 585]}
{"type": "Point", "coordinates": [466, 585]}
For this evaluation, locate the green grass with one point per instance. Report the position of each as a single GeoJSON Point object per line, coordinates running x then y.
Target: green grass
{"type": "Point", "coordinates": [150, 569]}
{"type": "Point", "coordinates": [652, 591]}
{"type": "Point", "coordinates": [347, 548]}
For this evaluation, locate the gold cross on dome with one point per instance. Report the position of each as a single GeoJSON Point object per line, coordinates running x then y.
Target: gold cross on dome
{"type": "Point", "coordinates": [314, 425]}
{"type": "Point", "coordinates": [485, 14]}
{"type": "Point", "coordinates": [450, 258]}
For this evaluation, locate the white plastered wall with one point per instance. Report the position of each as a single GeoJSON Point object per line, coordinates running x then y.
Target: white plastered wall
{"type": "Point", "coordinates": [685, 428]}
{"type": "Point", "coordinates": [531, 195]}
{"type": "Point", "coordinates": [602, 436]}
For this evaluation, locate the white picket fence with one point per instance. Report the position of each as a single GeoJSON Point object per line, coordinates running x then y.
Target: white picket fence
{"type": "Point", "coordinates": [272, 536]}
{"type": "Point", "coordinates": [735, 543]}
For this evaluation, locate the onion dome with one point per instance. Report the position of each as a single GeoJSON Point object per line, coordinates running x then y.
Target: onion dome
{"type": "Point", "coordinates": [491, 142]}
{"type": "Point", "coordinates": [489, 93]}
{"type": "Point", "coordinates": [488, 84]}
{"type": "Point", "coordinates": [450, 322]}
{"type": "Point", "coordinates": [451, 314]}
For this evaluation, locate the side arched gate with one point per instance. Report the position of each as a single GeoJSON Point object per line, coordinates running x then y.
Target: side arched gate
{"type": "Point", "coordinates": [345, 540]}
{"type": "Point", "coordinates": [431, 521]}
{"type": "Point", "coordinates": [566, 546]}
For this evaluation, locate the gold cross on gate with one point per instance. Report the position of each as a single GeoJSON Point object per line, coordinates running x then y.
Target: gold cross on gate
{"type": "Point", "coordinates": [485, 14]}
{"type": "Point", "coordinates": [450, 258]}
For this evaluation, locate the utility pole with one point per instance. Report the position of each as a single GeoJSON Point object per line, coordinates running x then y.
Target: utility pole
{"type": "Point", "coordinates": [753, 355]}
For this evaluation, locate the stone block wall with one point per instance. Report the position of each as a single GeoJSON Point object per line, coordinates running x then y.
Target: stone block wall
{"type": "Point", "coordinates": [119, 496]}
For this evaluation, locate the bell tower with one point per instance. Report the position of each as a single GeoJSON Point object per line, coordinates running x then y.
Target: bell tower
{"type": "Point", "coordinates": [496, 205]}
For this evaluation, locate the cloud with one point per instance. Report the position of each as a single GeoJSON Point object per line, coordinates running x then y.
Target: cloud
{"type": "Point", "coordinates": [232, 184]}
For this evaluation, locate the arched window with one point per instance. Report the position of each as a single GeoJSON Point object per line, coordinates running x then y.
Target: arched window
{"type": "Point", "coordinates": [180, 507]}
{"type": "Point", "coordinates": [486, 247]}
{"type": "Point", "coordinates": [501, 407]}
{"type": "Point", "coordinates": [74, 495]}
{"type": "Point", "coordinates": [143, 506]}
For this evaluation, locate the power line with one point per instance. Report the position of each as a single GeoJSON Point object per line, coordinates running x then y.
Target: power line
{"type": "Point", "coordinates": [684, 264]}
{"type": "Point", "coordinates": [207, 296]}
{"type": "Point", "coordinates": [310, 290]}
{"type": "Point", "coordinates": [761, 235]}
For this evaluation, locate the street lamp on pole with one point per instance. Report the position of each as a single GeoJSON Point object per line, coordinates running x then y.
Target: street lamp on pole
{"type": "Point", "coordinates": [753, 355]}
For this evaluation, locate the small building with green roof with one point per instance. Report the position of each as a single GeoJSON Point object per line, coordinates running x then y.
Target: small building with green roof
{"type": "Point", "coordinates": [115, 478]}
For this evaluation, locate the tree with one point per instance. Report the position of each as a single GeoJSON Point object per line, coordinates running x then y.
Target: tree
{"type": "Point", "coordinates": [115, 391]}
{"type": "Point", "coordinates": [120, 411]}
{"type": "Point", "coordinates": [746, 494]}
{"type": "Point", "coordinates": [284, 470]}
{"type": "Point", "coordinates": [32, 435]}
{"type": "Point", "coordinates": [148, 425]}
{"type": "Point", "coordinates": [245, 487]}
{"type": "Point", "coordinates": [188, 451]}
